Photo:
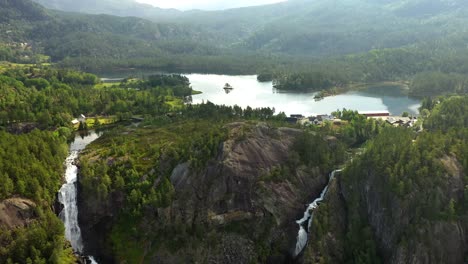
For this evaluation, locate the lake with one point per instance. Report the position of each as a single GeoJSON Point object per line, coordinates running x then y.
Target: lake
{"type": "Point", "coordinates": [249, 92]}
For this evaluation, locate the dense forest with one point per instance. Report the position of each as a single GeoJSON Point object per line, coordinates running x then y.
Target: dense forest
{"type": "Point", "coordinates": [140, 180]}
{"type": "Point", "coordinates": [237, 41]}
{"type": "Point", "coordinates": [31, 161]}
{"type": "Point", "coordinates": [223, 184]}
{"type": "Point", "coordinates": [31, 166]}
{"type": "Point", "coordinates": [52, 98]}
{"type": "Point", "coordinates": [400, 186]}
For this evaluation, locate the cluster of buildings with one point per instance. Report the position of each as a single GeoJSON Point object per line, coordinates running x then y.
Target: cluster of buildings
{"type": "Point", "coordinates": [396, 121]}
{"type": "Point", "coordinates": [312, 120]}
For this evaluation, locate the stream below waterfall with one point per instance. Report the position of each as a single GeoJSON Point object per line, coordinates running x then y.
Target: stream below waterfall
{"type": "Point", "coordinates": [303, 235]}
{"type": "Point", "coordinates": [68, 193]}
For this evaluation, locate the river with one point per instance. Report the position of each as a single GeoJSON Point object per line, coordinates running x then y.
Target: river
{"type": "Point", "coordinates": [68, 193]}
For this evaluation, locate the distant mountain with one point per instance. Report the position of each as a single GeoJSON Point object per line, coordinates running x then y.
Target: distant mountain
{"type": "Point", "coordinates": [110, 7]}
{"type": "Point", "coordinates": [295, 30]}
{"type": "Point", "coordinates": [315, 28]}
{"type": "Point", "coordinates": [65, 36]}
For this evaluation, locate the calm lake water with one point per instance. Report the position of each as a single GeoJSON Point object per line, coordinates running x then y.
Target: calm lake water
{"type": "Point", "coordinates": [249, 92]}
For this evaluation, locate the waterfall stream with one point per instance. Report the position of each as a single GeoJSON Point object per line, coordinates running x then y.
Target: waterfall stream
{"type": "Point", "coordinates": [68, 194]}
{"type": "Point", "coordinates": [303, 235]}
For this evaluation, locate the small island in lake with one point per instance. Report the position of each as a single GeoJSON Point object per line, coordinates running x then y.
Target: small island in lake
{"type": "Point", "coordinates": [228, 88]}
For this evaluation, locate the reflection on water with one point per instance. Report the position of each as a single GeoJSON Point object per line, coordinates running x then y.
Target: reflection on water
{"type": "Point", "coordinates": [249, 92]}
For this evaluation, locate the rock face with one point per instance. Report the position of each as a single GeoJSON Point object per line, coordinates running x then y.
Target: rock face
{"type": "Point", "coordinates": [96, 219]}
{"type": "Point", "coordinates": [232, 189]}
{"type": "Point", "coordinates": [244, 215]}
{"type": "Point", "coordinates": [432, 241]}
{"type": "Point", "coordinates": [327, 241]}
{"type": "Point", "coordinates": [17, 212]}
{"type": "Point", "coordinates": [435, 241]}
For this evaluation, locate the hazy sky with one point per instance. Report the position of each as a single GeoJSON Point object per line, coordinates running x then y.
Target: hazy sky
{"type": "Point", "coordinates": [206, 4]}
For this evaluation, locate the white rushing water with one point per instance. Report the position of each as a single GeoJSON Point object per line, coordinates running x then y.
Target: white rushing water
{"type": "Point", "coordinates": [68, 194]}
{"type": "Point", "coordinates": [68, 197]}
{"type": "Point", "coordinates": [303, 235]}
{"type": "Point", "coordinates": [93, 261]}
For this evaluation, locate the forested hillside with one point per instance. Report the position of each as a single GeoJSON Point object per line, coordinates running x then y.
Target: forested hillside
{"type": "Point", "coordinates": [301, 45]}
{"type": "Point", "coordinates": [36, 109]}
{"type": "Point", "coordinates": [111, 7]}
{"type": "Point", "coordinates": [52, 98]}
{"type": "Point", "coordinates": [220, 184]}
{"type": "Point", "coordinates": [404, 198]}
{"type": "Point", "coordinates": [317, 28]}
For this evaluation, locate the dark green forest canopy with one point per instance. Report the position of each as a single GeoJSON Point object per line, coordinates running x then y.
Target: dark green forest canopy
{"type": "Point", "coordinates": [403, 164]}
{"type": "Point", "coordinates": [53, 97]}
{"type": "Point", "coordinates": [31, 166]}
{"type": "Point", "coordinates": [301, 45]}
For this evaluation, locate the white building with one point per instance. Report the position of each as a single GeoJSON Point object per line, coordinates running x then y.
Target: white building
{"type": "Point", "coordinates": [82, 118]}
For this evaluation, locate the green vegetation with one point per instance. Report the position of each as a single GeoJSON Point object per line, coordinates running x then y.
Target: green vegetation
{"type": "Point", "coordinates": [31, 166]}
{"type": "Point", "coordinates": [28, 165]}
{"type": "Point", "coordinates": [315, 151]}
{"type": "Point", "coordinates": [51, 97]}
{"type": "Point", "coordinates": [136, 163]}
{"type": "Point", "coordinates": [357, 47]}
{"type": "Point", "coordinates": [42, 241]}
{"type": "Point", "coordinates": [140, 159]}
{"type": "Point", "coordinates": [438, 83]}
{"type": "Point", "coordinates": [131, 167]}
{"type": "Point", "coordinates": [409, 169]}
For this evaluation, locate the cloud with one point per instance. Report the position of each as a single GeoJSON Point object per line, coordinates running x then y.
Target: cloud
{"type": "Point", "coordinates": [206, 4]}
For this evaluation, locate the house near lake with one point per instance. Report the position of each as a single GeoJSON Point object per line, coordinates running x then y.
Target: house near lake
{"type": "Point", "coordinates": [80, 119]}
{"type": "Point", "coordinates": [397, 121]}
{"type": "Point", "coordinates": [312, 120]}
{"type": "Point", "coordinates": [374, 113]}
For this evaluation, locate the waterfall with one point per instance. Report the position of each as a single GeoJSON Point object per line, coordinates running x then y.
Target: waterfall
{"type": "Point", "coordinates": [303, 234]}
{"type": "Point", "coordinates": [68, 197]}
{"type": "Point", "coordinates": [93, 261]}
{"type": "Point", "coordinates": [68, 194]}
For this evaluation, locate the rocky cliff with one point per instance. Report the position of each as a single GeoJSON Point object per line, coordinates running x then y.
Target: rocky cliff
{"type": "Point", "coordinates": [17, 212]}
{"type": "Point", "coordinates": [368, 218]}
{"type": "Point", "coordinates": [239, 208]}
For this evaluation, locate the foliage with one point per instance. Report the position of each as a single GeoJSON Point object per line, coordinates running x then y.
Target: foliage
{"type": "Point", "coordinates": [359, 129]}
{"type": "Point", "coordinates": [315, 151]}
{"type": "Point", "coordinates": [52, 97]}
{"type": "Point", "coordinates": [438, 83]}
{"type": "Point", "coordinates": [356, 47]}
{"type": "Point", "coordinates": [31, 166]}
{"type": "Point", "coordinates": [408, 169]}
{"type": "Point", "coordinates": [43, 241]}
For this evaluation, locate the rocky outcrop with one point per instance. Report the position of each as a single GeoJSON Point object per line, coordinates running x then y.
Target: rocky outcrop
{"type": "Point", "coordinates": [17, 212]}
{"type": "Point", "coordinates": [96, 218]}
{"type": "Point", "coordinates": [327, 234]}
{"type": "Point", "coordinates": [233, 189]}
{"type": "Point", "coordinates": [231, 209]}
{"type": "Point", "coordinates": [403, 235]}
